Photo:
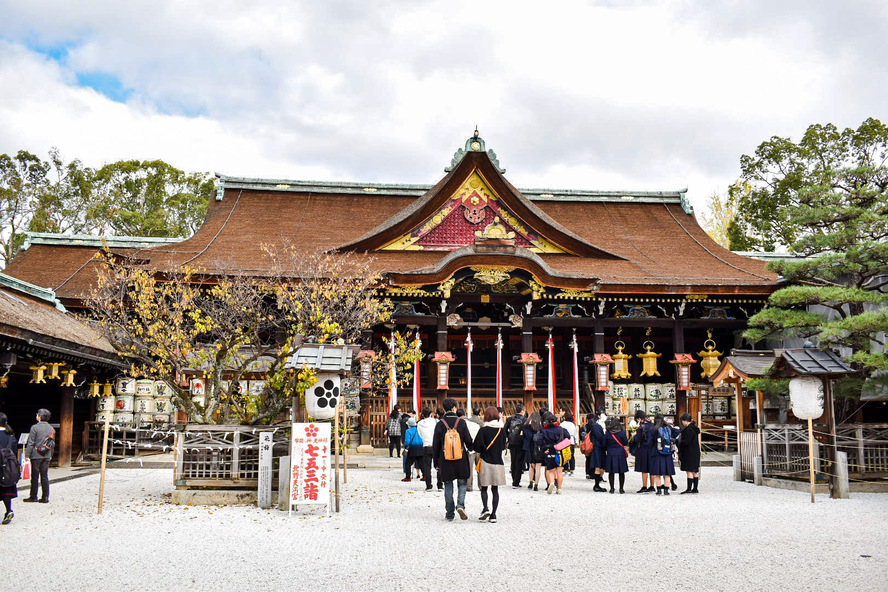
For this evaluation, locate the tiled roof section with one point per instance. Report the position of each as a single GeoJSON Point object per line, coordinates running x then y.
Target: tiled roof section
{"type": "Point", "coordinates": [751, 363]}
{"type": "Point", "coordinates": [67, 270]}
{"type": "Point", "coordinates": [792, 362]}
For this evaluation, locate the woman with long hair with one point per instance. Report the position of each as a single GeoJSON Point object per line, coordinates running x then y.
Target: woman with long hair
{"type": "Point", "coordinates": [556, 443]}
{"type": "Point", "coordinates": [393, 431]}
{"type": "Point", "coordinates": [9, 492]}
{"type": "Point", "coordinates": [617, 452]}
{"type": "Point", "coordinates": [661, 463]}
{"type": "Point", "coordinates": [599, 450]}
{"type": "Point", "coordinates": [490, 444]}
{"type": "Point", "coordinates": [532, 426]}
{"type": "Point", "coordinates": [689, 451]}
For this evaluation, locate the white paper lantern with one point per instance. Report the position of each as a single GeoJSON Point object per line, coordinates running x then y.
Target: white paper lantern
{"type": "Point", "coordinates": [322, 397]}
{"type": "Point", "coordinates": [806, 396]}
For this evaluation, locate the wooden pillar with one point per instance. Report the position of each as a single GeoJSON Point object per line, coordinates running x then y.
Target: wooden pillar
{"type": "Point", "coordinates": [66, 427]}
{"type": "Point", "coordinates": [741, 419]}
{"type": "Point", "coordinates": [527, 336]}
{"type": "Point", "coordinates": [760, 407]}
{"type": "Point", "coordinates": [442, 334]}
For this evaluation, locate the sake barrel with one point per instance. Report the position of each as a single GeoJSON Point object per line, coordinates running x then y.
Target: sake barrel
{"type": "Point", "coordinates": [669, 390]}
{"type": "Point", "coordinates": [126, 386]}
{"type": "Point", "coordinates": [145, 387]}
{"type": "Point", "coordinates": [162, 389]}
{"type": "Point", "coordinates": [101, 415]}
{"type": "Point", "coordinates": [636, 391]}
{"type": "Point", "coordinates": [143, 420]}
{"type": "Point", "coordinates": [161, 419]}
{"type": "Point", "coordinates": [123, 418]}
{"type": "Point", "coordinates": [106, 404]}
{"type": "Point", "coordinates": [654, 407]}
{"type": "Point", "coordinates": [162, 405]}
{"type": "Point", "coordinates": [653, 391]}
{"type": "Point", "coordinates": [144, 404]}
{"type": "Point", "coordinates": [670, 406]}
{"type": "Point", "coordinates": [721, 406]}
{"type": "Point", "coordinates": [124, 403]}
{"type": "Point", "coordinates": [636, 405]}
{"type": "Point", "coordinates": [620, 391]}
{"type": "Point", "coordinates": [198, 387]}
{"type": "Point", "coordinates": [609, 405]}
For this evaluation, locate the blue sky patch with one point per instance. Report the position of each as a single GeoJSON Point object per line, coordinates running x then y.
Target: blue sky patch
{"type": "Point", "coordinates": [107, 84]}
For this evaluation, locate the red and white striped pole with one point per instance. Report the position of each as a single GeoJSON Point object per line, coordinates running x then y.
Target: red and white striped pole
{"type": "Point", "coordinates": [551, 399]}
{"type": "Point", "coordinates": [469, 374]}
{"type": "Point", "coordinates": [416, 374]}
{"type": "Point", "coordinates": [393, 376]}
{"type": "Point", "coordinates": [576, 377]}
{"type": "Point", "coordinates": [499, 369]}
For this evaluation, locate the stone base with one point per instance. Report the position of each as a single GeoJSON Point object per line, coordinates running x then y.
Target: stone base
{"type": "Point", "coordinates": [365, 449]}
{"type": "Point", "coordinates": [216, 497]}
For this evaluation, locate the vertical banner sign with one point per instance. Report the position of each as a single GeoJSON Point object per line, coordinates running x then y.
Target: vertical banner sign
{"type": "Point", "coordinates": [469, 374]}
{"type": "Point", "coordinates": [263, 495]}
{"type": "Point", "coordinates": [576, 378]}
{"type": "Point", "coordinates": [393, 376]}
{"type": "Point", "coordinates": [499, 369]}
{"type": "Point", "coordinates": [310, 473]}
{"type": "Point", "coordinates": [551, 394]}
{"type": "Point", "coordinates": [416, 374]}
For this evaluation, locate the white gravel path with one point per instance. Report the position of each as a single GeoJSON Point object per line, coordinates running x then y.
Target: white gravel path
{"type": "Point", "coordinates": [392, 536]}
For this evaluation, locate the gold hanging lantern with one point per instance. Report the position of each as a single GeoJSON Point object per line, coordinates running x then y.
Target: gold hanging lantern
{"type": "Point", "coordinates": [108, 389]}
{"type": "Point", "coordinates": [38, 371]}
{"type": "Point", "coordinates": [649, 359]}
{"type": "Point", "coordinates": [710, 361]}
{"type": "Point", "coordinates": [54, 370]}
{"type": "Point", "coordinates": [621, 362]}
{"type": "Point", "coordinates": [94, 388]}
{"type": "Point", "coordinates": [69, 377]}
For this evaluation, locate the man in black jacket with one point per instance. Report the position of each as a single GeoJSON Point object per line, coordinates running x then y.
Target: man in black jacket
{"type": "Point", "coordinates": [514, 427]}
{"type": "Point", "coordinates": [39, 433]}
{"type": "Point", "coordinates": [457, 469]}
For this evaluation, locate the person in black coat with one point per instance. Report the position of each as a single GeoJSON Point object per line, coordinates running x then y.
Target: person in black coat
{"type": "Point", "coordinates": [490, 443]}
{"type": "Point", "coordinates": [599, 450]}
{"type": "Point", "coordinates": [641, 445]}
{"type": "Point", "coordinates": [532, 426]}
{"type": "Point", "coordinates": [551, 435]}
{"type": "Point", "coordinates": [615, 463]}
{"type": "Point", "coordinates": [661, 463]}
{"type": "Point", "coordinates": [10, 492]}
{"type": "Point", "coordinates": [515, 437]}
{"type": "Point", "coordinates": [451, 470]}
{"type": "Point", "coordinates": [689, 451]}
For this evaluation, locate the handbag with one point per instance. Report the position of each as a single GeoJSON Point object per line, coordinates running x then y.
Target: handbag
{"type": "Point", "coordinates": [625, 448]}
{"type": "Point", "coordinates": [478, 464]}
{"type": "Point", "coordinates": [562, 445]}
{"type": "Point", "coordinates": [586, 446]}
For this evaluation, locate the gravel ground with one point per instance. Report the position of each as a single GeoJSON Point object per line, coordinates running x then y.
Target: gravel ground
{"type": "Point", "coordinates": [392, 536]}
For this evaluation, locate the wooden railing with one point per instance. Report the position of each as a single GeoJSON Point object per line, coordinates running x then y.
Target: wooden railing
{"type": "Point", "coordinates": [866, 446]}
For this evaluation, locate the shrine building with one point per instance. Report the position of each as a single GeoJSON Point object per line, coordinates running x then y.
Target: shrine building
{"type": "Point", "coordinates": [514, 293]}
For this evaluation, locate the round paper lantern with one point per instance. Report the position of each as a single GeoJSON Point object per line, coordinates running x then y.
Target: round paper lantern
{"type": "Point", "coordinates": [322, 397]}
{"type": "Point", "coordinates": [806, 396]}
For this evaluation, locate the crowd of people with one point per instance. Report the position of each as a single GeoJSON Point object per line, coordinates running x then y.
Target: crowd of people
{"type": "Point", "coordinates": [459, 451]}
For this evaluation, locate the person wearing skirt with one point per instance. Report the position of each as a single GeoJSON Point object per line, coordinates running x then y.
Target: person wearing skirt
{"type": "Point", "coordinates": [643, 439]}
{"type": "Point", "coordinates": [689, 451]}
{"type": "Point", "coordinates": [659, 464]}
{"type": "Point", "coordinates": [490, 443]}
{"type": "Point", "coordinates": [10, 492]}
{"type": "Point", "coordinates": [615, 461]}
{"type": "Point", "coordinates": [599, 449]}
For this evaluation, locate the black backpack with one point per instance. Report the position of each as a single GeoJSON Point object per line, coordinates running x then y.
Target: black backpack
{"type": "Point", "coordinates": [538, 452]}
{"type": "Point", "coordinates": [638, 440]}
{"type": "Point", "coordinates": [516, 436]}
{"type": "Point", "coordinates": [10, 471]}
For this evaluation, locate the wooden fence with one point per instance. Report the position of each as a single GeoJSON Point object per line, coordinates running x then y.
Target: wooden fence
{"type": "Point", "coordinates": [785, 451]}
{"type": "Point", "coordinates": [750, 447]}
{"type": "Point", "coordinates": [867, 448]}
{"type": "Point", "coordinates": [124, 441]}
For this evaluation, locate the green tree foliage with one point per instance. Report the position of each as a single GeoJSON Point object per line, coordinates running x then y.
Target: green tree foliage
{"type": "Point", "coordinates": [719, 220]}
{"type": "Point", "coordinates": [825, 199]}
{"type": "Point", "coordinates": [132, 198]}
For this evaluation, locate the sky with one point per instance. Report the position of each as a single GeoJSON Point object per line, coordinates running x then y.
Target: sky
{"type": "Point", "coordinates": [609, 95]}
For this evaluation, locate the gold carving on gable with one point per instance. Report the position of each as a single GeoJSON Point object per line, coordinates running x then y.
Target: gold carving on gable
{"type": "Point", "coordinates": [492, 275]}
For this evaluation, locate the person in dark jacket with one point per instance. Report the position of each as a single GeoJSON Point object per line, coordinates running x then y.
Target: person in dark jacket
{"type": "Point", "coordinates": [661, 463]}
{"type": "Point", "coordinates": [615, 463]}
{"type": "Point", "coordinates": [642, 442]}
{"type": "Point", "coordinates": [552, 434]}
{"type": "Point", "coordinates": [532, 427]}
{"type": "Point", "coordinates": [10, 492]}
{"type": "Point", "coordinates": [39, 462]}
{"type": "Point", "coordinates": [689, 451]}
{"type": "Point", "coordinates": [451, 470]}
{"type": "Point", "coordinates": [515, 436]}
{"type": "Point", "coordinates": [393, 431]}
{"type": "Point", "coordinates": [413, 446]}
{"type": "Point", "coordinates": [490, 443]}
{"type": "Point", "coordinates": [599, 450]}
{"type": "Point", "coordinates": [587, 427]}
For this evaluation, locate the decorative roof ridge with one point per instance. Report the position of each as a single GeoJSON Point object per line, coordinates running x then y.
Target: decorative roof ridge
{"type": "Point", "coordinates": [418, 190]}
{"type": "Point", "coordinates": [7, 281]}
{"type": "Point", "coordinates": [88, 240]}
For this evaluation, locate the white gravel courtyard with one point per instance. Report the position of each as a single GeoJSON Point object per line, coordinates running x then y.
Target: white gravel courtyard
{"type": "Point", "coordinates": [392, 536]}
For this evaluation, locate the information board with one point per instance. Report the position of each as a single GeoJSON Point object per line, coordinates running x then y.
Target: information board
{"type": "Point", "coordinates": [310, 472]}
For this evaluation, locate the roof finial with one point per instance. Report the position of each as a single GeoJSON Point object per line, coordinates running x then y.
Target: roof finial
{"type": "Point", "coordinates": [476, 130]}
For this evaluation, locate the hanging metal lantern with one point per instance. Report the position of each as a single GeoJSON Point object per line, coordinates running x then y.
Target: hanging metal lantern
{"type": "Point", "coordinates": [649, 359]}
{"type": "Point", "coordinates": [602, 364]}
{"type": "Point", "coordinates": [621, 362]}
{"type": "Point", "coordinates": [94, 388]}
{"type": "Point", "coordinates": [69, 377]}
{"type": "Point", "coordinates": [38, 371]}
{"type": "Point", "coordinates": [683, 370]}
{"type": "Point", "coordinates": [710, 361]}
{"type": "Point", "coordinates": [365, 358]}
{"type": "Point", "coordinates": [54, 370]}
{"type": "Point", "coordinates": [107, 389]}
{"type": "Point", "coordinates": [529, 361]}
{"type": "Point", "coordinates": [443, 360]}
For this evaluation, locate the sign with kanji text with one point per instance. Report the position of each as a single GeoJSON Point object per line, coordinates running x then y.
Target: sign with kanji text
{"type": "Point", "coordinates": [266, 445]}
{"type": "Point", "coordinates": [310, 472]}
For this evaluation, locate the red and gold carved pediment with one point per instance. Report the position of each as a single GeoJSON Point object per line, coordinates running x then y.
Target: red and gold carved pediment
{"type": "Point", "coordinates": [474, 212]}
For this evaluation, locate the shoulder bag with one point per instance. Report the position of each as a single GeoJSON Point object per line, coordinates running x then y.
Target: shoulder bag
{"type": "Point", "coordinates": [478, 464]}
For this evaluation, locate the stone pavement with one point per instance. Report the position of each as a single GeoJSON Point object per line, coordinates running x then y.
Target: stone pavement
{"type": "Point", "coordinates": [392, 536]}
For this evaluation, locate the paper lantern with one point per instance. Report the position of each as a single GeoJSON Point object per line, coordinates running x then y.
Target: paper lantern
{"type": "Point", "coordinates": [443, 360]}
{"type": "Point", "coordinates": [683, 370]}
{"type": "Point", "coordinates": [621, 362]}
{"type": "Point", "coordinates": [806, 397]}
{"type": "Point", "coordinates": [529, 361]}
{"type": "Point", "coordinates": [602, 364]}
{"type": "Point", "coordinates": [365, 359]}
{"type": "Point", "coordinates": [322, 397]}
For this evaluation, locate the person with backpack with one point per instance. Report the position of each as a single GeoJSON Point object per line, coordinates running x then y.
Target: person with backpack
{"type": "Point", "coordinates": [586, 445]}
{"type": "Point", "coordinates": [533, 450]}
{"type": "Point", "coordinates": [41, 441]}
{"type": "Point", "coordinates": [515, 432]}
{"type": "Point", "coordinates": [555, 441]}
{"type": "Point", "coordinates": [474, 425]}
{"type": "Point", "coordinates": [640, 447]}
{"type": "Point", "coordinates": [450, 447]}
{"type": "Point", "coordinates": [393, 431]}
{"type": "Point", "coordinates": [568, 424]}
{"type": "Point", "coordinates": [599, 449]}
{"type": "Point", "coordinates": [660, 463]}
{"type": "Point", "coordinates": [490, 445]}
{"type": "Point", "coordinates": [617, 452]}
{"type": "Point", "coordinates": [426, 429]}
{"type": "Point", "coordinates": [689, 451]}
{"type": "Point", "coordinates": [413, 446]}
{"type": "Point", "coordinates": [9, 469]}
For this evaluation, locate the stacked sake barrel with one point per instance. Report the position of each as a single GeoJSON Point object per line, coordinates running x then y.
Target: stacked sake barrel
{"type": "Point", "coordinates": [141, 402]}
{"type": "Point", "coordinates": [651, 398]}
{"type": "Point", "coordinates": [125, 401]}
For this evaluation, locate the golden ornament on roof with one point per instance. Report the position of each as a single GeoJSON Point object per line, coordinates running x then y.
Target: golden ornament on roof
{"type": "Point", "coordinates": [649, 359]}
{"type": "Point", "coordinates": [710, 361]}
{"type": "Point", "coordinates": [495, 230]}
{"type": "Point", "coordinates": [621, 362]}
